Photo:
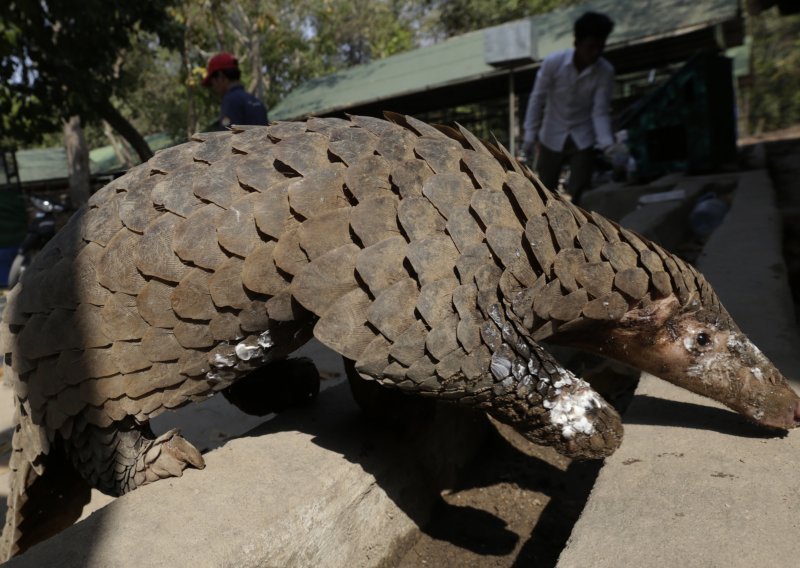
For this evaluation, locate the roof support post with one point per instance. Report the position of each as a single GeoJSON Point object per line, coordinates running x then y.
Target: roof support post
{"type": "Point", "coordinates": [512, 114]}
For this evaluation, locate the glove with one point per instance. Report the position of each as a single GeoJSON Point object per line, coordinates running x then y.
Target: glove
{"type": "Point", "coordinates": [526, 150]}
{"type": "Point", "coordinates": [616, 149]}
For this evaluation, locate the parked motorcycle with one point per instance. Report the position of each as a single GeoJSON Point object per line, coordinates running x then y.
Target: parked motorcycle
{"type": "Point", "coordinates": [40, 230]}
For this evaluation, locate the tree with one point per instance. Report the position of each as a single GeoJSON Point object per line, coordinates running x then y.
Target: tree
{"type": "Point", "coordinates": [283, 43]}
{"type": "Point", "coordinates": [353, 32]}
{"type": "Point", "coordinates": [461, 16]}
{"type": "Point", "coordinates": [775, 97]}
{"type": "Point", "coordinates": [77, 161]}
{"type": "Point", "coordinates": [163, 92]}
{"type": "Point", "coordinates": [147, 66]}
{"type": "Point", "coordinates": [61, 59]}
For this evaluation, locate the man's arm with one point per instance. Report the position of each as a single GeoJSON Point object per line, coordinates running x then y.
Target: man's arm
{"type": "Point", "coordinates": [231, 111]}
{"type": "Point", "coordinates": [535, 110]}
{"type": "Point", "coordinates": [601, 110]}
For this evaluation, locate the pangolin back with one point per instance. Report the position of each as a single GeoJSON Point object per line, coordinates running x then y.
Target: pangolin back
{"type": "Point", "coordinates": [390, 239]}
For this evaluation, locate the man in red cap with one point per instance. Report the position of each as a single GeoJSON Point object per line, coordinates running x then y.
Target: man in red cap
{"type": "Point", "coordinates": [238, 106]}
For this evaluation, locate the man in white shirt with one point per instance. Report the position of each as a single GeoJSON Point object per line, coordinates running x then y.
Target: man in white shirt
{"type": "Point", "coordinates": [569, 108]}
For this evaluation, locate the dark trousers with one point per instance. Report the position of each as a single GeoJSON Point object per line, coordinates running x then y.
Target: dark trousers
{"type": "Point", "coordinates": [549, 164]}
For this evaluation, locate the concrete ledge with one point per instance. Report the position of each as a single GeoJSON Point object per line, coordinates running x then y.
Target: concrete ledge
{"type": "Point", "coordinates": [695, 485]}
{"type": "Point", "coordinates": [318, 487]}
{"type": "Point", "coordinates": [743, 260]}
{"type": "Point", "coordinates": [614, 200]}
{"type": "Point", "coordinates": [665, 222]}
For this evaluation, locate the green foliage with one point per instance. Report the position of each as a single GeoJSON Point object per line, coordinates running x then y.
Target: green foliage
{"type": "Point", "coordinates": [60, 58]}
{"type": "Point", "coordinates": [293, 40]}
{"type": "Point", "coordinates": [461, 16]}
{"type": "Point", "coordinates": [158, 101]}
{"type": "Point", "coordinates": [776, 68]}
{"type": "Point", "coordinates": [352, 32]}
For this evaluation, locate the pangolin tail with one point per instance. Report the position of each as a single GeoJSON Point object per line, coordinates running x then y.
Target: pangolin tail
{"type": "Point", "coordinates": [46, 494]}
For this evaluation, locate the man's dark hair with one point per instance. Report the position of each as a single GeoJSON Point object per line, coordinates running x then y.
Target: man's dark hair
{"type": "Point", "coordinates": [593, 24]}
{"type": "Point", "coordinates": [232, 73]}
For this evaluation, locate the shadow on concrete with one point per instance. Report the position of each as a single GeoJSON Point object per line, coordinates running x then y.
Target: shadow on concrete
{"type": "Point", "coordinates": [38, 317]}
{"type": "Point", "coordinates": [568, 497]}
{"type": "Point", "coordinates": [533, 497]}
{"type": "Point", "coordinates": [663, 412]}
{"type": "Point", "coordinates": [438, 448]}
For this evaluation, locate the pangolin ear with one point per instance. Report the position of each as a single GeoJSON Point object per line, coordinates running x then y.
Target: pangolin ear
{"type": "Point", "coordinates": [692, 303]}
{"type": "Point", "coordinates": [655, 315]}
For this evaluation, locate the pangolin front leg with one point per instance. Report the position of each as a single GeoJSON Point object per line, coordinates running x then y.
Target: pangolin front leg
{"type": "Point", "coordinates": [546, 402]}
{"type": "Point", "coordinates": [520, 384]}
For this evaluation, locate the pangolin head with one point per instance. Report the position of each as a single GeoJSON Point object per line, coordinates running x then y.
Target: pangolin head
{"type": "Point", "coordinates": [700, 348]}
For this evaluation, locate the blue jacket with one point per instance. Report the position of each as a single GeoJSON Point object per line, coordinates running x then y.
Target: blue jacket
{"type": "Point", "coordinates": [240, 107]}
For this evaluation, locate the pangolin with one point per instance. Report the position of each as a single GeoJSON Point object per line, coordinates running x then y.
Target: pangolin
{"type": "Point", "coordinates": [432, 261]}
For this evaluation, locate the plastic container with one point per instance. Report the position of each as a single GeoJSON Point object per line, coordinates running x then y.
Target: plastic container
{"type": "Point", "coordinates": [631, 172]}
{"type": "Point", "coordinates": [707, 214]}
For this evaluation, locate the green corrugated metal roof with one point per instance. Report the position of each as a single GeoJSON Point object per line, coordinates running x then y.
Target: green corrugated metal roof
{"type": "Point", "coordinates": [461, 59]}
{"type": "Point", "coordinates": [452, 60]}
{"type": "Point", "coordinates": [40, 164]}
{"type": "Point", "coordinates": [104, 159]}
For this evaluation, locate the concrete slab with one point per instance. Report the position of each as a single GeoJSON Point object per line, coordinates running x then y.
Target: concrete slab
{"type": "Point", "coordinates": [616, 199]}
{"type": "Point", "coordinates": [319, 486]}
{"type": "Point", "coordinates": [694, 485]}
{"type": "Point", "coordinates": [666, 222]}
{"type": "Point", "coordinates": [207, 425]}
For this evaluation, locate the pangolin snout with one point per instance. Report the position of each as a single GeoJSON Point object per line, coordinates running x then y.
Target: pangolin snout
{"type": "Point", "coordinates": [785, 420]}
{"type": "Point", "coordinates": [793, 417]}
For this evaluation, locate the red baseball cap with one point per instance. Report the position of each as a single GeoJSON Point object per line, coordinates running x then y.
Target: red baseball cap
{"type": "Point", "coordinates": [217, 63]}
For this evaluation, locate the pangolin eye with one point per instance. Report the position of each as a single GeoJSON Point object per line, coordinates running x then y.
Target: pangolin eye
{"type": "Point", "coordinates": [703, 339]}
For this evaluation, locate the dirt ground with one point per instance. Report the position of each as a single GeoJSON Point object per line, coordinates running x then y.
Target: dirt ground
{"type": "Point", "coordinates": [518, 501]}
{"type": "Point", "coordinates": [516, 507]}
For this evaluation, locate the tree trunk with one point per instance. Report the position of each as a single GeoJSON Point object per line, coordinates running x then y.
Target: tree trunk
{"type": "Point", "coordinates": [217, 8]}
{"type": "Point", "coordinates": [191, 112]}
{"type": "Point", "coordinates": [246, 28]}
{"type": "Point", "coordinates": [186, 63]}
{"type": "Point", "coordinates": [77, 161]}
{"type": "Point", "coordinates": [257, 67]}
{"type": "Point", "coordinates": [123, 152]}
{"type": "Point", "coordinates": [254, 46]}
{"type": "Point", "coordinates": [125, 129]}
